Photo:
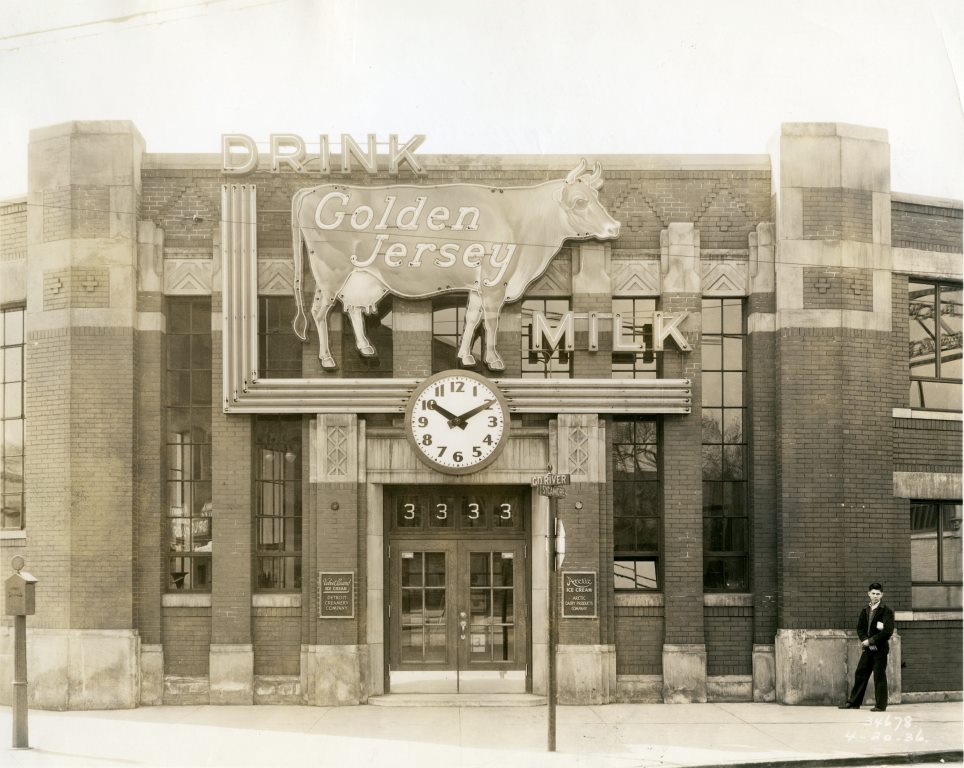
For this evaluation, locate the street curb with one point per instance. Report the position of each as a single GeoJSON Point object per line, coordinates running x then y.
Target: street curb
{"type": "Point", "coordinates": [900, 758]}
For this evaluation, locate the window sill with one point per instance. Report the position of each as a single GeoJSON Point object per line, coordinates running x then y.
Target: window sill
{"type": "Point", "coordinates": [276, 600]}
{"type": "Point", "coordinates": [928, 615]}
{"type": "Point", "coordinates": [914, 413]}
{"type": "Point", "coordinates": [13, 535]}
{"type": "Point", "coordinates": [730, 599]}
{"type": "Point", "coordinates": [638, 599]}
{"type": "Point", "coordinates": [186, 600]}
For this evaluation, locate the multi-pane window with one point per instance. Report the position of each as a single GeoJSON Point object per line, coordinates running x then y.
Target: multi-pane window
{"type": "Point", "coordinates": [378, 330]}
{"type": "Point", "coordinates": [277, 484]}
{"type": "Point", "coordinates": [636, 506]}
{"type": "Point", "coordinates": [11, 419]}
{"type": "Point", "coordinates": [636, 321]}
{"type": "Point", "coordinates": [279, 350]}
{"type": "Point", "coordinates": [551, 361]}
{"type": "Point", "coordinates": [724, 450]}
{"type": "Point", "coordinates": [934, 312]}
{"type": "Point", "coordinates": [189, 504]}
{"type": "Point", "coordinates": [935, 542]}
{"type": "Point", "coordinates": [448, 320]}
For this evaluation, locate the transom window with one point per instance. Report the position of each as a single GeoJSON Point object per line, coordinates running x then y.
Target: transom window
{"type": "Point", "coordinates": [636, 504]}
{"type": "Point", "coordinates": [724, 452]}
{"type": "Point", "coordinates": [11, 419]}
{"type": "Point", "coordinates": [189, 500]}
{"type": "Point", "coordinates": [934, 314]}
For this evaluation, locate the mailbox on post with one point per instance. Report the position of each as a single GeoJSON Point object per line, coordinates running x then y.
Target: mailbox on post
{"type": "Point", "coordinates": [20, 597]}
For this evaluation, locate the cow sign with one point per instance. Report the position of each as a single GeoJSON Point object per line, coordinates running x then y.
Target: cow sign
{"type": "Point", "coordinates": [418, 241]}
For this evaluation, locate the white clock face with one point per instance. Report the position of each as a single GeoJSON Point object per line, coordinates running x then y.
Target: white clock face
{"type": "Point", "coordinates": [457, 422]}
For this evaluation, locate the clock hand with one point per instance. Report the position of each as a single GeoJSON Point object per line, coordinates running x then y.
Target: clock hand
{"type": "Point", "coordinates": [453, 420]}
{"type": "Point", "coordinates": [478, 409]}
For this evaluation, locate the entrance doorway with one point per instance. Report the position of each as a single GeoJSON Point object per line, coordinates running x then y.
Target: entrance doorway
{"type": "Point", "coordinates": [458, 587]}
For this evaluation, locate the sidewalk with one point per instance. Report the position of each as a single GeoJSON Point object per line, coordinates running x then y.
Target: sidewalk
{"type": "Point", "coordinates": [613, 736]}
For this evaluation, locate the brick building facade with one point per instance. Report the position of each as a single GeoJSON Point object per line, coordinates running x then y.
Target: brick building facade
{"type": "Point", "coordinates": [215, 516]}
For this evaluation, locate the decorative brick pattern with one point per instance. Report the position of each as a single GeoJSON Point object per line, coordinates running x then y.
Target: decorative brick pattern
{"type": "Point", "coordinates": [724, 278]}
{"type": "Point", "coordinates": [837, 214]}
{"type": "Point", "coordinates": [927, 227]}
{"type": "Point", "coordinates": [635, 276]}
{"type": "Point", "coordinates": [77, 288]}
{"type": "Point", "coordinates": [838, 288]}
{"type": "Point", "coordinates": [13, 232]}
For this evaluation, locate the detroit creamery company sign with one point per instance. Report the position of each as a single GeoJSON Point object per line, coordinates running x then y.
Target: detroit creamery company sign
{"type": "Point", "coordinates": [416, 241]}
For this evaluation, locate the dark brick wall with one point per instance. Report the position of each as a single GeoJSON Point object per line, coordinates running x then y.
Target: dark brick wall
{"type": "Point", "coordinates": [276, 635]}
{"type": "Point", "coordinates": [927, 446]}
{"type": "Point", "coordinates": [729, 639]}
{"type": "Point", "coordinates": [187, 640]}
{"type": "Point", "coordinates": [837, 214]}
{"type": "Point", "coordinates": [927, 227]}
{"type": "Point", "coordinates": [930, 654]}
{"type": "Point", "coordinates": [840, 526]}
{"type": "Point", "coordinates": [583, 553]}
{"type": "Point", "coordinates": [639, 640]}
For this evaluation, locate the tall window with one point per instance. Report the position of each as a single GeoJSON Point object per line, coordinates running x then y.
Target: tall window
{"type": "Point", "coordinates": [637, 326]}
{"type": "Point", "coordinates": [550, 362]}
{"type": "Point", "coordinates": [725, 520]}
{"type": "Point", "coordinates": [279, 350]}
{"type": "Point", "coordinates": [934, 312]}
{"type": "Point", "coordinates": [277, 471]}
{"type": "Point", "coordinates": [448, 320]}
{"type": "Point", "coordinates": [11, 419]}
{"type": "Point", "coordinates": [189, 505]}
{"type": "Point", "coordinates": [636, 507]}
{"type": "Point", "coordinates": [935, 542]}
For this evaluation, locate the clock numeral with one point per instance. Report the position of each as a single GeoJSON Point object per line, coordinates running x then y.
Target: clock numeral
{"type": "Point", "coordinates": [493, 421]}
{"type": "Point", "coordinates": [476, 451]}
{"type": "Point", "coordinates": [426, 439]}
{"type": "Point", "coordinates": [428, 405]}
{"type": "Point", "coordinates": [441, 450]}
{"type": "Point", "coordinates": [409, 511]}
{"type": "Point", "coordinates": [473, 511]}
{"type": "Point", "coordinates": [422, 421]}
{"type": "Point", "coordinates": [441, 511]}
{"type": "Point", "coordinates": [457, 456]}
{"type": "Point", "coordinates": [506, 513]}
{"type": "Point", "coordinates": [439, 390]}
{"type": "Point", "coordinates": [487, 439]}
{"type": "Point", "coordinates": [475, 390]}
{"type": "Point", "coordinates": [458, 386]}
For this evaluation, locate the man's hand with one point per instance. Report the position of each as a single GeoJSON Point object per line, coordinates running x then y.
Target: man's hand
{"type": "Point", "coordinates": [866, 643]}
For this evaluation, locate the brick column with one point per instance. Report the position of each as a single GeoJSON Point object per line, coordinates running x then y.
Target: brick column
{"type": "Point", "coordinates": [231, 667]}
{"type": "Point", "coordinates": [835, 398]}
{"type": "Point", "coordinates": [412, 338]}
{"type": "Point", "coordinates": [83, 190]}
{"type": "Point", "coordinates": [333, 663]}
{"type": "Point", "coordinates": [762, 433]}
{"type": "Point", "coordinates": [684, 647]}
{"type": "Point", "coordinates": [592, 292]}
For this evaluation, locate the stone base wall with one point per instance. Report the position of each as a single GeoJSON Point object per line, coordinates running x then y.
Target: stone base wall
{"type": "Point", "coordinates": [76, 669]}
{"type": "Point", "coordinates": [586, 674]}
{"type": "Point", "coordinates": [333, 675]}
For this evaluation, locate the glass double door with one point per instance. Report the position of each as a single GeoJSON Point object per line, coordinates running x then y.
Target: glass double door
{"type": "Point", "coordinates": [458, 615]}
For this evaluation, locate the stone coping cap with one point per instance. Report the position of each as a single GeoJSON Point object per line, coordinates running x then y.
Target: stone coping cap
{"type": "Point", "coordinates": [76, 127]}
{"type": "Point", "coordinates": [496, 162]}
{"type": "Point", "coordinates": [842, 130]}
{"type": "Point", "coordinates": [936, 202]}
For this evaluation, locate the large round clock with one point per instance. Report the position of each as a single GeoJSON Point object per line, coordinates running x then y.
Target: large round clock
{"type": "Point", "coordinates": [457, 422]}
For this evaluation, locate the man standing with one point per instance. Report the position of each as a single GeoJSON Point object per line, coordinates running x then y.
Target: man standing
{"type": "Point", "coordinates": [874, 627]}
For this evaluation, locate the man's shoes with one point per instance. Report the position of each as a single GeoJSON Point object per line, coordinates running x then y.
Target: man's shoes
{"type": "Point", "coordinates": [848, 705]}
{"type": "Point", "coordinates": [879, 709]}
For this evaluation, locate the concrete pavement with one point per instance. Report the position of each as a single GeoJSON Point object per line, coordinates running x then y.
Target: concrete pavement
{"type": "Point", "coordinates": [612, 736]}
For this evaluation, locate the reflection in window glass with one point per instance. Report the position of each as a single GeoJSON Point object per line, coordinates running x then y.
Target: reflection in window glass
{"type": "Point", "coordinates": [188, 458]}
{"type": "Point", "coordinates": [11, 419]}
{"type": "Point", "coordinates": [277, 487]}
{"type": "Point", "coordinates": [636, 507]}
{"type": "Point", "coordinates": [934, 315]}
{"type": "Point", "coordinates": [378, 330]}
{"type": "Point", "coordinates": [935, 542]}
{"type": "Point", "coordinates": [724, 460]}
{"type": "Point", "coordinates": [448, 322]}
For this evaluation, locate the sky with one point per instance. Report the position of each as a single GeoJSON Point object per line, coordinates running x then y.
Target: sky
{"type": "Point", "coordinates": [496, 77]}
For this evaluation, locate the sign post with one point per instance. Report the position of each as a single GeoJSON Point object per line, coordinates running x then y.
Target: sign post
{"type": "Point", "coordinates": [553, 487]}
{"type": "Point", "coordinates": [19, 603]}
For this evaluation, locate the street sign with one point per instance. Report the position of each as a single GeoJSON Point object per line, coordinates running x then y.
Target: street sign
{"type": "Point", "coordinates": [552, 491]}
{"type": "Point", "coordinates": [550, 479]}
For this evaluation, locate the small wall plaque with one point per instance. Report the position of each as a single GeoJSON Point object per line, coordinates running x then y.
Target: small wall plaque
{"type": "Point", "coordinates": [579, 595]}
{"type": "Point", "coordinates": [336, 594]}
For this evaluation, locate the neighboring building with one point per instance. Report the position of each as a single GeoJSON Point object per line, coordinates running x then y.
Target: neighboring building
{"type": "Point", "coordinates": [215, 514]}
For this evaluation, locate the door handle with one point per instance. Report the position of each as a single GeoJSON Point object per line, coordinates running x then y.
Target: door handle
{"type": "Point", "coordinates": [463, 624]}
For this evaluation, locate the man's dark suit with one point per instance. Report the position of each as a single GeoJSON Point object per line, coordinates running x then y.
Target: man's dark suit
{"type": "Point", "coordinates": [874, 656]}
